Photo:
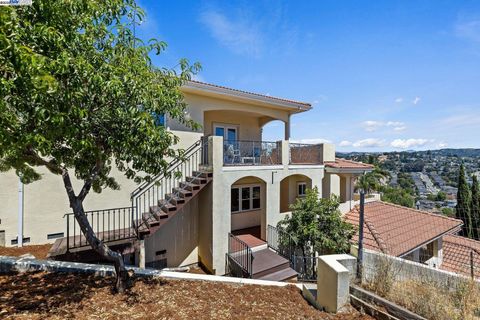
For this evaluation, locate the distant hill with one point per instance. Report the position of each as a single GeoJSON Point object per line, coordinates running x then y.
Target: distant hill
{"type": "Point", "coordinates": [448, 152]}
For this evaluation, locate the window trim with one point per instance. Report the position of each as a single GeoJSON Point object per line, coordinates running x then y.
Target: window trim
{"type": "Point", "coordinates": [250, 186]}
{"type": "Point", "coordinates": [299, 183]}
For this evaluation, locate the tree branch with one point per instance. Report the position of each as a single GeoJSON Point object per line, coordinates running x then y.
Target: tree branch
{"type": "Point", "coordinates": [88, 183]}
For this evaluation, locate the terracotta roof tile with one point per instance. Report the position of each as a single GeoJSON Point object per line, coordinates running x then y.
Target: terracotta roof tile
{"type": "Point", "coordinates": [456, 255]}
{"type": "Point", "coordinates": [347, 164]}
{"type": "Point", "coordinates": [305, 104]}
{"type": "Point", "coordinates": [397, 230]}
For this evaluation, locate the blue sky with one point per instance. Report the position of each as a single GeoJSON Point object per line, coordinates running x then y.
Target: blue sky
{"type": "Point", "coordinates": [381, 75]}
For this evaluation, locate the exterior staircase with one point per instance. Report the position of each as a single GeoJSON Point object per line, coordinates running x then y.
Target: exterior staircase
{"type": "Point", "coordinates": [159, 213]}
{"type": "Point", "coordinates": [153, 204]}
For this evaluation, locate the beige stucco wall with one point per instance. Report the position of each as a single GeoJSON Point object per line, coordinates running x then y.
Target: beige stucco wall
{"type": "Point", "coordinates": [45, 201]}
{"type": "Point", "coordinates": [252, 116]}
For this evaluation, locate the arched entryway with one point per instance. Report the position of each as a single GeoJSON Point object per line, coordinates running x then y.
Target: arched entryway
{"type": "Point", "coordinates": [291, 188]}
{"type": "Point", "coordinates": [248, 207]}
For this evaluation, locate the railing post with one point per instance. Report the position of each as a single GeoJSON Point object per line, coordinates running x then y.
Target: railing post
{"type": "Point", "coordinates": [68, 232]}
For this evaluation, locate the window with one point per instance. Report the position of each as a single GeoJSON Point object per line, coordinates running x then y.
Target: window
{"type": "Point", "coordinates": [160, 119]}
{"type": "Point", "coordinates": [15, 241]}
{"type": "Point", "coordinates": [245, 198]}
{"type": "Point", "coordinates": [301, 189]}
{"type": "Point", "coordinates": [228, 132]}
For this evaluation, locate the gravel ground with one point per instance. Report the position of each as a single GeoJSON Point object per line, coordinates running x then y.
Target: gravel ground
{"type": "Point", "coordinates": [39, 251]}
{"type": "Point", "coordinates": [60, 296]}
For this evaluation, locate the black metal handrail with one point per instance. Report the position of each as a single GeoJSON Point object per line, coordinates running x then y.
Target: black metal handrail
{"type": "Point", "coordinates": [108, 225]}
{"type": "Point", "coordinates": [240, 257]}
{"type": "Point", "coordinates": [246, 152]}
{"type": "Point", "coordinates": [149, 193]}
{"type": "Point", "coordinates": [281, 242]}
{"type": "Point", "coordinates": [301, 153]}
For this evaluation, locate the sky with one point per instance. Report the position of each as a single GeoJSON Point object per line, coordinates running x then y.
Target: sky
{"type": "Point", "coordinates": [380, 75]}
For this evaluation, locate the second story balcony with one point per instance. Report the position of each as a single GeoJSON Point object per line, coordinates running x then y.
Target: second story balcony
{"type": "Point", "coordinates": [244, 153]}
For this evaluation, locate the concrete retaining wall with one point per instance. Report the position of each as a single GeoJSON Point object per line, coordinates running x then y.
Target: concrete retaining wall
{"type": "Point", "coordinates": [400, 269]}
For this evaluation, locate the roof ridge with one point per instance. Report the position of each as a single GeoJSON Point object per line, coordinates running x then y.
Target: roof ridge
{"type": "Point", "coordinates": [381, 243]}
{"type": "Point", "coordinates": [415, 210]}
{"type": "Point", "coordinates": [253, 93]}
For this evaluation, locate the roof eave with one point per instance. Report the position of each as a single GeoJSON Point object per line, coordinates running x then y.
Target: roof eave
{"type": "Point", "coordinates": [348, 170]}
{"type": "Point", "coordinates": [227, 93]}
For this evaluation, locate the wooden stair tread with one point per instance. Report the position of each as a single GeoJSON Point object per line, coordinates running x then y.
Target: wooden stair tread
{"type": "Point", "coordinates": [150, 219]}
{"type": "Point", "coordinates": [280, 275]}
{"type": "Point", "coordinates": [266, 261]}
{"type": "Point", "coordinates": [189, 186]}
{"type": "Point", "coordinates": [158, 213]}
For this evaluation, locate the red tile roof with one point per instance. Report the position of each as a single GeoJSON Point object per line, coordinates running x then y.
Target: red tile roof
{"type": "Point", "coordinates": [305, 104]}
{"type": "Point", "coordinates": [397, 230]}
{"type": "Point", "coordinates": [456, 255]}
{"type": "Point", "coordinates": [347, 164]}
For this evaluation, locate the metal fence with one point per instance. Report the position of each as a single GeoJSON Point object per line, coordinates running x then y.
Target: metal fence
{"type": "Point", "coordinates": [306, 268]}
{"type": "Point", "coordinates": [241, 152]}
{"type": "Point", "coordinates": [239, 258]}
{"type": "Point", "coordinates": [108, 224]}
{"type": "Point", "coordinates": [281, 242]}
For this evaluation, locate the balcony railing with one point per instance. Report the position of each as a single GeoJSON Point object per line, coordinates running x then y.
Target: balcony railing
{"type": "Point", "coordinates": [241, 152]}
{"type": "Point", "coordinates": [239, 258]}
{"type": "Point", "coordinates": [305, 153]}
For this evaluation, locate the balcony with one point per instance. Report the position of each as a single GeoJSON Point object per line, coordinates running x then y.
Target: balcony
{"type": "Point", "coordinates": [244, 153]}
{"type": "Point", "coordinates": [251, 153]}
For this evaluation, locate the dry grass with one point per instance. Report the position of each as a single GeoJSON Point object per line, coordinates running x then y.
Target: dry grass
{"type": "Point", "coordinates": [39, 251]}
{"type": "Point", "coordinates": [427, 298]}
{"type": "Point", "coordinates": [66, 296]}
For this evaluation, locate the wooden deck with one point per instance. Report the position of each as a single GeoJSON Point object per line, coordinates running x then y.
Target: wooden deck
{"type": "Point", "coordinates": [79, 243]}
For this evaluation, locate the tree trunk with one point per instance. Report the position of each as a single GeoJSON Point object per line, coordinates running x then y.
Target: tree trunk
{"type": "Point", "coordinates": [76, 203]}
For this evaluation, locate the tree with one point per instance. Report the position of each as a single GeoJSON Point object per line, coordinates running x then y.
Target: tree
{"type": "Point", "coordinates": [398, 196]}
{"type": "Point", "coordinates": [80, 95]}
{"type": "Point", "coordinates": [316, 225]}
{"type": "Point", "coordinates": [372, 181]}
{"type": "Point", "coordinates": [475, 208]}
{"type": "Point", "coordinates": [463, 203]}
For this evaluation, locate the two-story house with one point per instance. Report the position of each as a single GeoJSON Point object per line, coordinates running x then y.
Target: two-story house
{"type": "Point", "coordinates": [224, 197]}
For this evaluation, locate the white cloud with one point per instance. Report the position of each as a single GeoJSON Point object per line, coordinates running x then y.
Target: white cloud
{"type": "Point", "coordinates": [371, 125]}
{"type": "Point", "coordinates": [345, 143]}
{"type": "Point", "coordinates": [442, 145]}
{"type": "Point", "coordinates": [416, 100]}
{"type": "Point", "coordinates": [369, 143]}
{"type": "Point", "coordinates": [399, 100]}
{"type": "Point", "coordinates": [409, 143]}
{"type": "Point", "coordinates": [241, 36]}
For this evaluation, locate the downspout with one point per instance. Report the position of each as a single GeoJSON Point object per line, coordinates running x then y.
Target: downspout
{"type": "Point", "coordinates": [20, 213]}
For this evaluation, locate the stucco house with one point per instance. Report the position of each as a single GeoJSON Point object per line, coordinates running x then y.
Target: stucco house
{"type": "Point", "coordinates": [226, 196]}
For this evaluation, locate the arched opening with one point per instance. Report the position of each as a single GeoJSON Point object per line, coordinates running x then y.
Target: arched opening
{"type": "Point", "coordinates": [248, 207]}
{"type": "Point", "coordinates": [273, 130]}
{"type": "Point", "coordinates": [291, 188]}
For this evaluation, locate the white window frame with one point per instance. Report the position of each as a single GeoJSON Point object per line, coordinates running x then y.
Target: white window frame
{"type": "Point", "coordinates": [250, 186]}
{"type": "Point", "coordinates": [301, 183]}
{"type": "Point", "coordinates": [225, 128]}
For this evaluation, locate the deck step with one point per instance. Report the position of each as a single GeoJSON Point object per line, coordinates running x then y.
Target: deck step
{"type": "Point", "coordinates": [197, 180]}
{"type": "Point", "coordinates": [143, 229]}
{"type": "Point", "coordinates": [184, 193]}
{"type": "Point", "coordinates": [150, 220]}
{"type": "Point", "coordinates": [174, 199]}
{"type": "Point", "coordinates": [166, 205]}
{"type": "Point", "coordinates": [280, 275]}
{"type": "Point", "coordinates": [189, 186]}
{"type": "Point", "coordinates": [202, 174]}
{"type": "Point", "coordinates": [158, 213]}
{"type": "Point", "coordinates": [266, 262]}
